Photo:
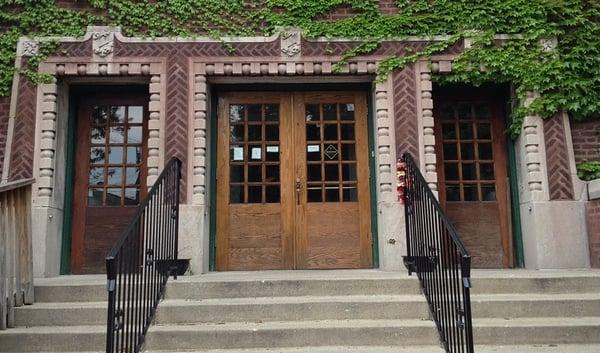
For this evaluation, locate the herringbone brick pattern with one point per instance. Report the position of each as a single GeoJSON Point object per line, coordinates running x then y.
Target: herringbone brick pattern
{"type": "Point", "coordinates": [75, 49]}
{"type": "Point", "coordinates": [21, 162]}
{"type": "Point", "coordinates": [4, 108]}
{"type": "Point", "coordinates": [405, 112]}
{"type": "Point", "coordinates": [559, 176]}
{"type": "Point", "coordinates": [171, 50]}
{"type": "Point", "coordinates": [312, 48]}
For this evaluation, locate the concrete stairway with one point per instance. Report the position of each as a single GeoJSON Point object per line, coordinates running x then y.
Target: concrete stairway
{"type": "Point", "coordinates": [320, 311]}
{"type": "Point", "coordinates": [536, 311]}
{"type": "Point", "coordinates": [363, 311]}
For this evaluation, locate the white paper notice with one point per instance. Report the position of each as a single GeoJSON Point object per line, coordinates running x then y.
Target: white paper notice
{"type": "Point", "coordinates": [272, 149]}
{"type": "Point", "coordinates": [312, 148]}
{"type": "Point", "coordinates": [238, 153]}
{"type": "Point", "coordinates": [256, 153]}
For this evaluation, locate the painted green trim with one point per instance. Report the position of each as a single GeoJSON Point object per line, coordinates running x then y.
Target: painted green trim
{"type": "Point", "coordinates": [288, 87]}
{"type": "Point", "coordinates": [212, 196]}
{"type": "Point", "coordinates": [65, 253]}
{"type": "Point", "coordinates": [515, 208]}
{"type": "Point", "coordinates": [373, 179]}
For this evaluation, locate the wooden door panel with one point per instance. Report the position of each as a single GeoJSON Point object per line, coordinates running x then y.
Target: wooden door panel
{"type": "Point", "coordinates": [333, 215]}
{"type": "Point", "coordinates": [472, 174]}
{"type": "Point", "coordinates": [253, 172]}
{"type": "Point", "coordinates": [110, 174]}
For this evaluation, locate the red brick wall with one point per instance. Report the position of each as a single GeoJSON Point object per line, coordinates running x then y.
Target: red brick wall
{"type": "Point", "coordinates": [586, 140]}
{"type": "Point", "coordinates": [4, 107]}
{"type": "Point", "coordinates": [593, 226]}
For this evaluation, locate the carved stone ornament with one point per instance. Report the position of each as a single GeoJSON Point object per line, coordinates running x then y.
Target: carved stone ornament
{"type": "Point", "coordinates": [103, 43]}
{"type": "Point", "coordinates": [29, 48]}
{"type": "Point", "coordinates": [290, 43]}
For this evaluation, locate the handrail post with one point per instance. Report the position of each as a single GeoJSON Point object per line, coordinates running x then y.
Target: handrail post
{"type": "Point", "coordinates": [466, 275]}
{"type": "Point", "coordinates": [111, 276]}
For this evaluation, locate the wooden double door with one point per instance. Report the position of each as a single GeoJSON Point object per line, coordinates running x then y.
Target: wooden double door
{"type": "Point", "coordinates": [293, 181]}
{"type": "Point", "coordinates": [109, 173]}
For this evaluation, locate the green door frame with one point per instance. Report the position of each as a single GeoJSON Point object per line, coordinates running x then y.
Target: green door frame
{"type": "Point", "coordinates": [367, 87]}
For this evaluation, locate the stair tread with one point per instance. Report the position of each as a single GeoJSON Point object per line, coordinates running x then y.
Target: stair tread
{"type": "Point", "coordinates": [533, 274]}
{"type": "Point", "coordinates": [80, 329]}
{"type": "Point", "coordinates": [320, 349]}
{"type": "Point", "coordinates": [539, 348]}
{"type": "Point", "coordinates": [294, 300]}
{"type": "Point", "coordinates": [269, 325]}
{"type": "Point", "coordinates": [63, 305]}
{"type": "Point", "coordinates": [536, 321]}
{"type": "Point", "coordinates": [297, 275]}
{"type": "Point", "coordinates": [534, 296]}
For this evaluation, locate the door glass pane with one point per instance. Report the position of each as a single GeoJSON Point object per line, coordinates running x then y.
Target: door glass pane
{"type": "Point", "coordinates": [98, 135]}
{"type": "Point", "coordinates": [348, 152]}
{"type": "Point", "coordinates": [254, 132]}
{"type": "Point", "coordinates": [132, 196]}
{"type": "Point", "coordinates": [97, 155]}
{"type": "Point", "coordinates": [313, 172]}
{"type": "Point", "coordinates": [132, 176]}
{"type": "Point", "coordinates": [313, 112]}
{"type": "Point", "coordinates": [272, 132]}
{"type": "Point", "coordinates": [313, 132]}
{"type": "Point", "coordinates": [236, 172]}
{"type": "Point", "coordinates": [486, 171]}
{"type": "Point", "coordinates": [115, 155]}
{"type": "Point", "coordinates": [485, 151]}
{"type": "Point", "coordinates": [332, 194]}
{"type": "Point", "coordinates": [99, 115]}
{"type": "Point", "coordinates": [272, 194]}
{"type": "Point", "coordinates": [95, 197]}
{"type": "Point", "coordinates": [113, 197]}
{"type": "Point", "coordinates": [452, 192]}
{"type": "Point", "coordinates": [468, 171]}
{"type": "Point", "coordinates": [451, 171]}
{"type": "Point", "coordinates": [271, 112]}
{"type": "Point", "coordinates": [449, 131]}
{"type": "Point", "coordinates": [254, 194]}
{"type": "Point", "coordinates": [329, 111]}
{"type": "Point", "coordinates": [470, 192]}
{"type": "Point", "coordinates": [254, 112]}
{"type": "Point", "coordinates": [134, 155]}
{"type": "Point", "coordinates": [350, 194]}
{"type": "Point", "coordinates": [488, 192]}
{"type": "Point", "coordinates": [136, 114]}
{"type": "Point", "coordinates": [134, 135]}
{"type": "Point", "coordinates": [467, 151]}
{"type": "Point", "coordinates": [450, 151]}
{"type": "Point", "coordinates": [484, 131]}
{"type": "Point", "coordinates": [347, 131]}
{"type": "Point", "coordinates": [117, 114]}
{"type": "Point", "coordinates": [330, 132]}
{"type": "Point", "coordinates": [236, 113]}
{"type": "Point", "coordinates": [272, 153]}
{"type": "Point", "coordinates": [347, 111]}
{"type": "Point", "coordinates": [466, 131]}
{"type": "Point", "coordinates": [115, 176]}
{"type": "Point", "coordinates": [272, 173]}
{"type": "Point", "coordinates": [117, 135]}
{"type": "Point", "coordinates": [254, 173]}
{"type": "Point", "coordinates": [332, 172]}
{"type": "Point", "coordinates": [313, 152]}
{"type": "Point", "coordinates": [314, 193]}
{"type": "Point", "coordinates": [236, 194]}
{"type": "Point", "coordinates": [349, 172]}
{"type": "Point", "coordinates": [237, 133]}
{"type": "Point", "coordinates": [96, 176]}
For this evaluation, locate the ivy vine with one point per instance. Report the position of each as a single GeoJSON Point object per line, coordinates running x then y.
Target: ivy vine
{"type": "Point", "coordinates": [567, 76]}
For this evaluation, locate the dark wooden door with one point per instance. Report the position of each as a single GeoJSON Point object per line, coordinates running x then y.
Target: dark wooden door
{"type": "Point", "coordinates": [292, 181]}
{"type": "Point", "coordinates": [472, 173]}
{"type": "Point", "coordinates": [110, 174]}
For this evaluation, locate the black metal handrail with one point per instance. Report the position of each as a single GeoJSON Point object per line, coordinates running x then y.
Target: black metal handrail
{"type": "Point", "coordinates": [141, 261]}
{"type": "Point", "coordinates": [440, 259]}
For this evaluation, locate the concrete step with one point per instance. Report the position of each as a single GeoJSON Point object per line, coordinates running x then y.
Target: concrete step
{"type": "Point", "coordinates": [538, 330]}
{"type": "Point", "coordinates": [177, 311]}
{"type": "Point", "coordinates": [303, 283]}
{"type": "Point", "coordinates": [61, 314]}
{"type": "Point", "coordinates": [326, 349]}
{"type": "Point", "coordinates": [292, 334]}
{"type": "Point", "coordinates": [535, 305]}
{"type": "Point", "coordinates": [530, 281]}
{"type": "Point", "coordinates": [540, 348]}
{"type": "Point", "coordinates": [54, 338]}
{"type": "Point", "coordinates": [82, 288]}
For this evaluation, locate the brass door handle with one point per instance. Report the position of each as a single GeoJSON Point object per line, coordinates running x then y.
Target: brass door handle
{"type": "Point", "coordinates": [298, 187]}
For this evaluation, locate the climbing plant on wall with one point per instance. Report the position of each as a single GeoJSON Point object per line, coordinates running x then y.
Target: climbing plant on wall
{"type": "Point", "coordinates": [551, 46]}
